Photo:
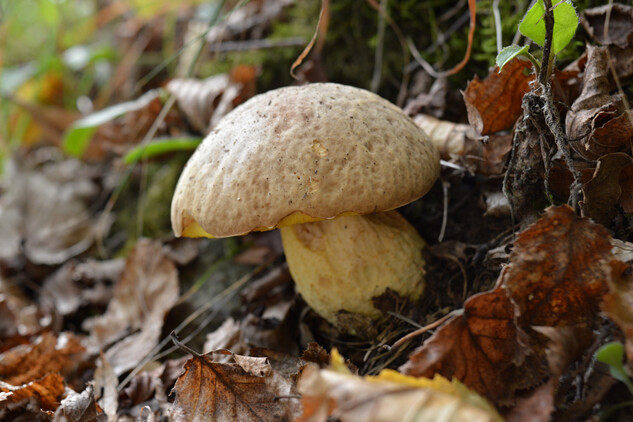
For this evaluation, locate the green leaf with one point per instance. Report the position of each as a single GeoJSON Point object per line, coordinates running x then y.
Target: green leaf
{"type": "Point", "coordinates": [161, 146]}
{"type": "Point", "coordinates": [565, 24]}
{"type": "Point", "coordinates": [613, 355]}
{"type": "Point", "coordinates": [510, 53]}
{"type": "Point", "coordinates": [80, 133]}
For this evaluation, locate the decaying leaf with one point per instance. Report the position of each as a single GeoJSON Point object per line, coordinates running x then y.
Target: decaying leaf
{"type": "Point", "coordinates": [390, 396]}
{"type": "Point", "coordinates": [595, 123]}
{"type": "Point", "coordinates": [494, 104]}
{"type": "Point", "coordinates": [558, 269]}
{"type": "Point", "coordinates": [42, 395]}
{"type": "Point", "coordinates": [480, 347]}
{"type": "Point", "coordinates": [20, 318]}
{"type": "Point", "coordinates": [146, 291]}
{"type": "Point", "coordinates": [105, 382]}
{"type": "Point", "coordinates": [248, 390]}
{"type": "Point", "coordinates": [48, 354]}
{"type": "Point", "coordinates": [46, 209]}
{"type": "Point", "coordinates": [604, 191]}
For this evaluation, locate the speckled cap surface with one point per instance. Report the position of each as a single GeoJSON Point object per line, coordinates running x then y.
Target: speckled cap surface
{"type": "Point", "coordinates": [319, 149]}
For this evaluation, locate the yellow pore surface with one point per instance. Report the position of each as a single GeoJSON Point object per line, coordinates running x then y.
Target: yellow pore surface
{"type": "Point", "coordinates": [341, 264]}
{"type": "Point", "coordinates": [194, 229]}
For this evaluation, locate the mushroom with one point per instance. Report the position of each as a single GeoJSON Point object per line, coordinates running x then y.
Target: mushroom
{"type": "Point", "coordinates": [326, 164]}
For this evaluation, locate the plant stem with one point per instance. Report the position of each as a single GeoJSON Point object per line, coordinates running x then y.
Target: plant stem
{"type": "Point", "coordinates": [546, 66]}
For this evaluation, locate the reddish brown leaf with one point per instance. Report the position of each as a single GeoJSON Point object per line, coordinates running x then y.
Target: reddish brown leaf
{"type": "Point", "coordinates": [603, 191]}
{"type": "Point", "coordinates": [557, 273]}
{"type": "Point", "coordinates": [49, 354]}
{"type": "Point", "coordinates": [477, 347]}
{"type": "Point", "coordinates": [43, 394]}
{"type": "Point", "coordinates": [494, 104]}
{"type": "Point", "coordinates": [227, 392]}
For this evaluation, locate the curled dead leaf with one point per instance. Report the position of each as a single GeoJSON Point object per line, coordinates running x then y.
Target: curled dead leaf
{"type": "Point", "coordinates": [595, 122]}
{"type": "Point", "coordinates": [494, 104]}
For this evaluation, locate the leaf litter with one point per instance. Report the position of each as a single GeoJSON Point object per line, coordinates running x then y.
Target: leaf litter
{"type": "Point", "coordinates": [520, 346]}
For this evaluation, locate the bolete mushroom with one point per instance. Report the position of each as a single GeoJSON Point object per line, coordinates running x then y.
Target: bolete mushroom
{"type": "Point", "coordinates": [325, 163]}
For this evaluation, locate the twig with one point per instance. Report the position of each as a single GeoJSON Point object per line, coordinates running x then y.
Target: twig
{"type": "Point", "coordinates": [380, 48]}
{"type": "Point", "coordinates": [498, 32]}
{"type": "Point", "coordinates": [426, 328]}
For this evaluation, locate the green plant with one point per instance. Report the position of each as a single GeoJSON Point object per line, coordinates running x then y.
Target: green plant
{"type": "Point", "coordinates": [533, 27]}
{"type": "Point", "coordinates": [612, 354]}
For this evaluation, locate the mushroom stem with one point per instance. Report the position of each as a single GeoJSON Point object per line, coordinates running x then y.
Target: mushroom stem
{"type": "Point", "coordinates": [340, 265]}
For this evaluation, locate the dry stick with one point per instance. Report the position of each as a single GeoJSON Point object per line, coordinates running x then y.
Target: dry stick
{"type": "Point", "coordinates": [426, 328]}
{"type": "Point", "coordinates": [552, 119]}
{"type": "Point", "coordinates": [380, 49]}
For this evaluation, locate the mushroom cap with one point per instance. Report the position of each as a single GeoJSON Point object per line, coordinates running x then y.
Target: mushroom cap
{"type": "Point", "coordinates": [302, 154]}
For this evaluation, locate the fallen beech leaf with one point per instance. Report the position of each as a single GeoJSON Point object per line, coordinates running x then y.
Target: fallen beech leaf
{"type": "Point", "coordinates": [557, 273]}
{"type": "Point", "coordinates": [618, 304]}
{"type": "Point", "coordinates": [595, 123]}
{"type": "Point", "coordinates": [603, 191]}
{"type": "Point", "coordinates": [337, 394]}
{"type": "Point", "coordinates": [494, 104]}
{"type": "Point", "coordinates": [209, 390]}
{"type": "Point", "coordinates": [481, 347]}
{"type": "Point", "coordinates": [35, 397]}
{"type": "Point", "coordinates": [146, 291]}
{"type": "Point", "coordinates": [620, 31]}
{"type": "Point", "coordinates": [48, 354]}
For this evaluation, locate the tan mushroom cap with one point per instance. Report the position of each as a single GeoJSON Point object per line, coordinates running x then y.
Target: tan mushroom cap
{"type": "Point", "coordinates": [318, 150]}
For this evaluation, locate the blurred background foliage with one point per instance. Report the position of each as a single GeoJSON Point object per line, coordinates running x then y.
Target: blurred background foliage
{"type": "Point", "coordinates": [83, 55]}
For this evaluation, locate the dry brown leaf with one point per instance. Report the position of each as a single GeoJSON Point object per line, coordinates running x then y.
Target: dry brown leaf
{"type": "Point", "coordinates": [34, 397]}
{"type": "Point", "coordinates": [227, 336]}
{"type": "Point", "coordinates": [48, 354]}
{"type": "Point", "coordinates": [595, 123]}
{"type": "Point", "coordinates": [480, 347]}
{"type": "Point", "coordinates": [389, 397]}
{"type": "Point", "coordinates": [44, 211]}
{"type": "Point", "coordinates": [557, 273]}
{"type": "Point", "coordinates": [228, 392]}
{"type": "Point", "coordinates": [146, 291]}
{"type": "Point", "coordinates": [603, 191]}
{"type": "Point", "coordinates": [494, 104]}
{"type": "Point", "coordinates": [618, 303]}
{"type": "Point", "coordinates": [78, 407]}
